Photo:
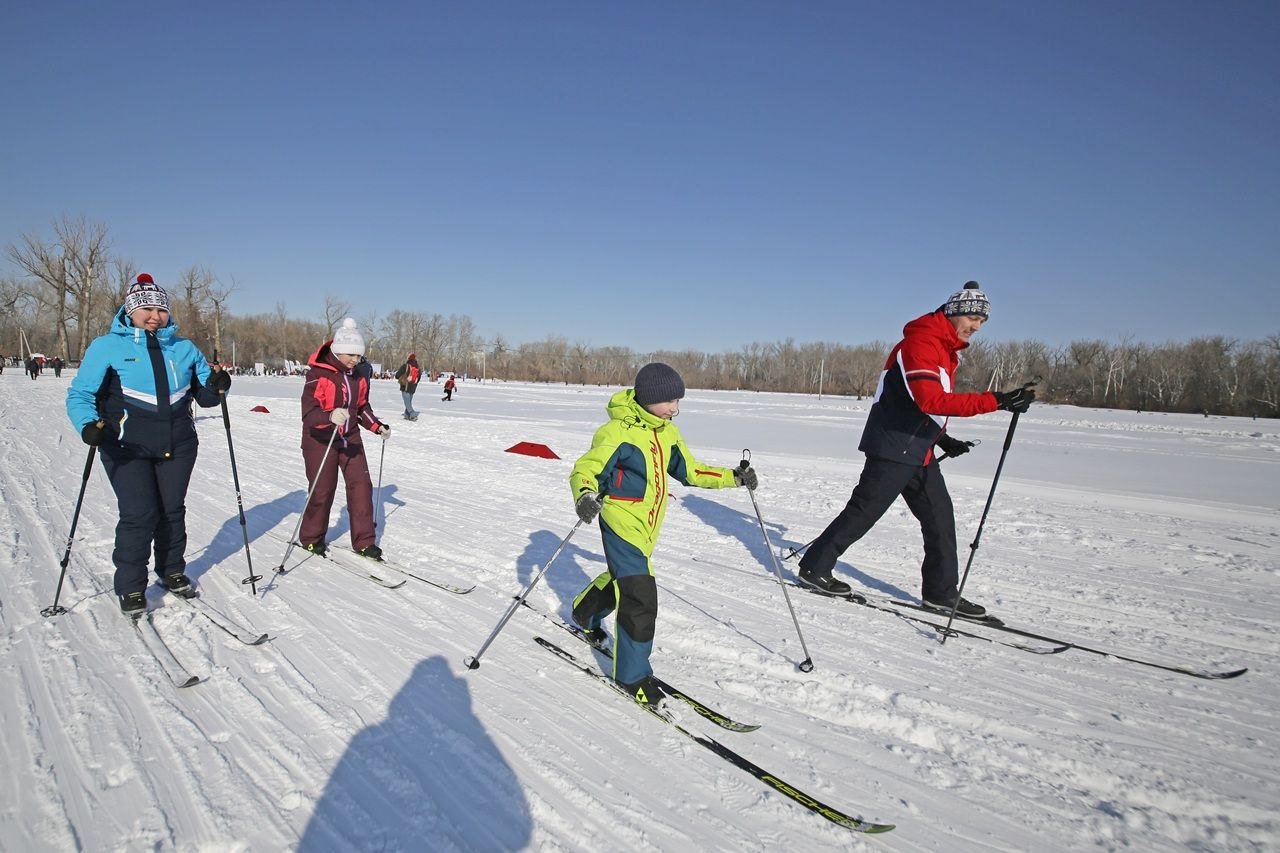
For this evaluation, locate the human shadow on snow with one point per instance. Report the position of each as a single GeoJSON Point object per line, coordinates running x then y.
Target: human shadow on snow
{"type": "Point", "coordinates": [228, 541]}
{"type": "Point", "coordinates": [573, 569]}
{"type": "Point", "coordinates": [746, 529]}
{"type": "Point", "coordinates": [427, 777]}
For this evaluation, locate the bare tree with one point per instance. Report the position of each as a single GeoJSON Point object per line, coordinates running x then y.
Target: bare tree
{"type": "Point", "coordinates": [335, 311]}
{"type": "Point", "coordinates": [69, 267]}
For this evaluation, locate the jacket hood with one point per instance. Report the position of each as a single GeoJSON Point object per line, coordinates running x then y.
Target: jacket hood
{"type": "Point", "coordinates": [623, 407]}
{"type": "Point", "coordinates": [935, 325]}
{"type": "Point", "coordinates": [123, 326]}
{"type": "Point", "coordinates": [323, 358]}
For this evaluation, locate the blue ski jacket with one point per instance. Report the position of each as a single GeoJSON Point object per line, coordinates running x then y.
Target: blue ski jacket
{"type": "Point", "coordinates": [144, 385]}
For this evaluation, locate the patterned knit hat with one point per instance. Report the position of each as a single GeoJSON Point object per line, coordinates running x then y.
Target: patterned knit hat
{"type": "Point", "coordinates": [145, 293]}
{"type": "Point", "coordinates": [656, 383]}
{"type": "Point", "coordinates": [347, 340]}
{"type": "Point", "coordinates": [969, 301]}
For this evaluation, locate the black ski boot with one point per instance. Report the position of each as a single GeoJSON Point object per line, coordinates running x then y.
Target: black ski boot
{"type": "Point", "coordinates": [133, 604]}
{"type": "Point", "coordinates": [373, 552]}
{"type": "Point", "coordinates": [646, 691]}
{"type": "Point", "coordinates": [179, 584]}
{"type": "Point", "coordinates": [966, 609]}
{"type": "Point", "coordinates": [317, 548]}
{"type": "Point", "coordinates": [825, 584]}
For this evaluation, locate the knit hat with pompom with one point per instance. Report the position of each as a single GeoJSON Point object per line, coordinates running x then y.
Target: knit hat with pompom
{"type": "Point", "coordinates": [347, 340]}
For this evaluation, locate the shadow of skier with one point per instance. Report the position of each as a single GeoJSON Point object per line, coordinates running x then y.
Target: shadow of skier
{"type": "Point", "coordinates": [428, 777]}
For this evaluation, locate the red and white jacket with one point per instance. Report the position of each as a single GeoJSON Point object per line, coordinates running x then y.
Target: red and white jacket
{"type": "Point", "coordinates": [331, 386]}
{"type": "Point", "coordinates": [914, 397]}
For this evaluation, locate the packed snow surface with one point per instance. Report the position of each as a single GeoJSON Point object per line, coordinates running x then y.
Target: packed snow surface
{"type": "Point", "coordinates": [357, 726]}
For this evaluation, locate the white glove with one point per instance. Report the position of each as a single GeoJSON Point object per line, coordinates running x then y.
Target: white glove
{"type": "Point", "coordinates": [338, 417]}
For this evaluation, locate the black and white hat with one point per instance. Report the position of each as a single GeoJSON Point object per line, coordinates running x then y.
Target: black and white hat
{"type": "Point", "coordinates": [969, 301]}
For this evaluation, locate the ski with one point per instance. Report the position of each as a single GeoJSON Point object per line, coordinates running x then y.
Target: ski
{"type": "Point", "coordinates": [228, 625]}
{"type": "Point", "coordinates": [351, 570]}
{"type": "Point", "coordinates": [705, 711]}
{"type": "Point", "coordinates": [173, 668]}
{"type": "Point", "coordinates": [388, 564]}
{"type": "Point", "coordinates": [1052, 647]}
{"type": "Point", "coordinates": [996, 624]}
{"type": "Point", "coordinates": [796, 795]}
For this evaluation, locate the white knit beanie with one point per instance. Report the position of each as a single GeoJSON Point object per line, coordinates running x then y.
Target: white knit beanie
{"type": "Point", "coordinates": [348, 340]}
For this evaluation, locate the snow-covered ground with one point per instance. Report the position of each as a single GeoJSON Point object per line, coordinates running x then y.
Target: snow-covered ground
{"type": "Point", "coordinates": [358, 727]}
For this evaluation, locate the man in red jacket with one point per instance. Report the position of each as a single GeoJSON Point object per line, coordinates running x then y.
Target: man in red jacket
{"type": "Point", "coordinates": [907, 419]}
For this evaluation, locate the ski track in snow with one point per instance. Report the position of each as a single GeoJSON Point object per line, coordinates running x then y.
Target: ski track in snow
{"type": "Point", "coordinates": [357, 726]}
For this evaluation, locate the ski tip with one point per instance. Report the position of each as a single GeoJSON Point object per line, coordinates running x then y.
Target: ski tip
{"type": "Point", "coordinates": [258, 640]}
{"type": "Point", "coordinates": [1231, 673]}
{"type": "Point", "coordinates": [191, 682]}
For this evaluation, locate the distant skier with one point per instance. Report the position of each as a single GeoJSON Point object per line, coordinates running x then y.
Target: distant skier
{"type": "Point", "coordinates": [409, 375]}
{"type": "Point", "coordinates": [908, 417]}
{"type": "Point", "coordinates": [132, 400]}
{"type": "Point", "coordinates": [625, 477]}
{"type": "Point", "coordinates": [449, 385]}
{"type": "Point", "coordinates": [335, 396]}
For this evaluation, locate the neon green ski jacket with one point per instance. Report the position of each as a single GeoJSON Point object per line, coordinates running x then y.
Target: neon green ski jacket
{"type": "Point", "coordinates": [629, 463]}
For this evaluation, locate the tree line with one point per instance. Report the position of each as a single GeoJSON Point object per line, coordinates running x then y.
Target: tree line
{"type": "Point", "coordinates": [67, 288]}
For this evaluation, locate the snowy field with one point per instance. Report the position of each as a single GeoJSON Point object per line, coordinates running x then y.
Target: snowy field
{"type": "Point", "coordinates": [357, 727]}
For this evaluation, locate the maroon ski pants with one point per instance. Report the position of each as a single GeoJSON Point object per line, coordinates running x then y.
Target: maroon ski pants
{"type": "Point", "coordinates": [348, 456]}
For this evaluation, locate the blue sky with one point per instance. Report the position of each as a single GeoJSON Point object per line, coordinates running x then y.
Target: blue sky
{"type": "Point", "coordinates": [671, 174]}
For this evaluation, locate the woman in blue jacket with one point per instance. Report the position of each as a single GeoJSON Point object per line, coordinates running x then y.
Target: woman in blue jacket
{"type": "Point", "coordinates": [132, 400]}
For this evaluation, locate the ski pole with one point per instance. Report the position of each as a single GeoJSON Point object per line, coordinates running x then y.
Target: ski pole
{"type": "Point", "coordinates": [807, 664]}
{"type": "Point", "coordinates": [801, 548]}
{"type": "Point", "coordinates": [55, 609]}
{"type": "Point", "coordinates": [473, 662]}
{"type": "Point", "coordinates": [973, 547]}
{"type": "Point", "coordinates": [252, 579]}
{"type": "Point", "coordinates": [293, 537]}
{"type": "Point", "coordinates": [382, 456]}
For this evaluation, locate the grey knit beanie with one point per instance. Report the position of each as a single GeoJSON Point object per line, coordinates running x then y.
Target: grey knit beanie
{"type": "Point", "coordinates": [656, 383]}
{"type": "Point", "coordinates": [969, 300]}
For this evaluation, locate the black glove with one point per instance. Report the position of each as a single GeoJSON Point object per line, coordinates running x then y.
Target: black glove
{"type": "Point", "coordinates": [953, 446]}
{"type": "Point", "coordinates": [95, 433]}
{"type": "Point", "coordinates": [1018, 400]}
{"type": "Point", "coordinates": [219, 381]}
{"type": "Point", "coordinates": [588, 506]}
{"type": "Point", "coordinates": [746, 477]}
{"type": "Point", "coordinates": [383, 430]}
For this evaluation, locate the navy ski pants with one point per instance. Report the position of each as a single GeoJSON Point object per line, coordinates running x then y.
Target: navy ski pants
{"type": "Point", "coordinates": [925, 493]}
{"type": "Point", "coordinates": [151, 495]}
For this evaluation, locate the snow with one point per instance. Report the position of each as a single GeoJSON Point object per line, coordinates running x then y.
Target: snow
{"type": "Point", "coordinates": [357, 726]}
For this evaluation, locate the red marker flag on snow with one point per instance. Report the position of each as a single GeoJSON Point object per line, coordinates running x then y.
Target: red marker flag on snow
{"type": "Point", "coordinates": [528, 448]}
{"type": "Point", "coordinates": [260, 409]}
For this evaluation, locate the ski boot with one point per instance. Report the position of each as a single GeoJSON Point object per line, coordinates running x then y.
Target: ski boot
{"type": "Point", "coordinates": [179, 584]}
{"type": "Point", "coordinates": [133, 604]}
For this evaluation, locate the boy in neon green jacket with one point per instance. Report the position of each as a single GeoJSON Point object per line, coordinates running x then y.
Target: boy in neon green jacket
{"type": "Point", "coordinates": [624, 477]}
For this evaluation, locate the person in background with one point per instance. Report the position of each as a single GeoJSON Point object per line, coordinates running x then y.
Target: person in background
{"type": "Point", "coordinates": [335, 404]}
{"type": "Point", "coordinates": [449, 385]}
{"type": "Point", "coordinates": [132, 400]}
{"type": "Point", "coordinates": [409, 374]}
{"type": "Point", "coordinates": [624, 478]}
{"type": "Point", "coordinates": [913, 401]}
